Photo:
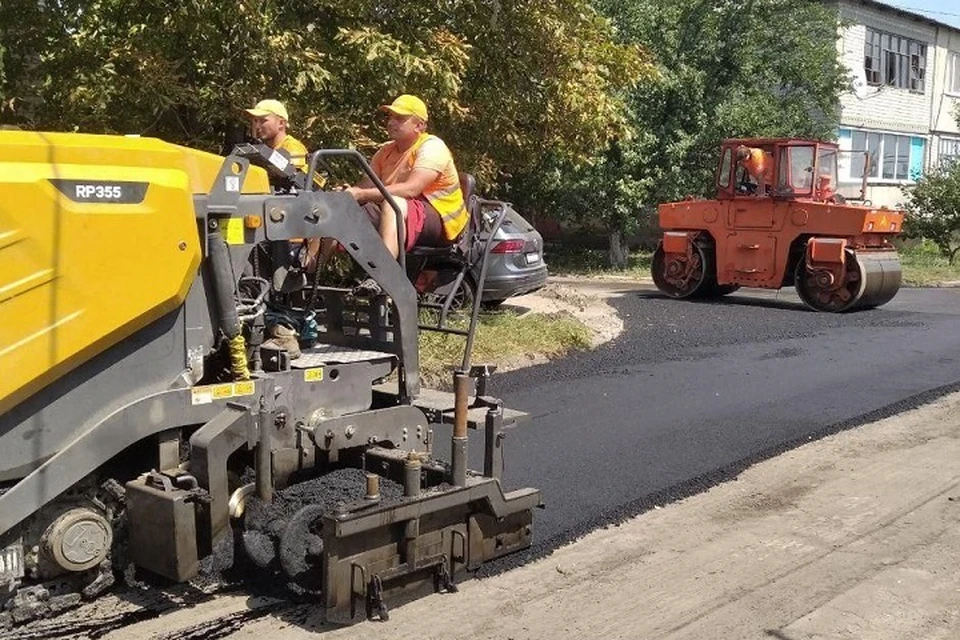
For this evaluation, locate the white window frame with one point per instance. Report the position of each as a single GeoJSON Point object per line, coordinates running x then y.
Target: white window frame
{"type": "Point", "coordinates": [953, 145]}
{"type": "Point", "coordinates": [895, 61]}
{"type": "Point", "coordinates": [953, 73]}
{"type": "Point", "coordinates": [876, 177]}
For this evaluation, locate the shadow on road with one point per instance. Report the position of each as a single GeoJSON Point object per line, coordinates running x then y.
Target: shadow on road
{"type": "Point", "coordinates": [731, 300]}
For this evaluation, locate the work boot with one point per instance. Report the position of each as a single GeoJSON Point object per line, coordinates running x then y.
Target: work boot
{"type": "Point", "coordinates": [283, 337]}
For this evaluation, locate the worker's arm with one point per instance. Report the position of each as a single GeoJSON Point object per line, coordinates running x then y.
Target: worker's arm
{"type": "Point", "coordinates": [376, 163]}
{"type": "Point", "coordinates": [412, 187]}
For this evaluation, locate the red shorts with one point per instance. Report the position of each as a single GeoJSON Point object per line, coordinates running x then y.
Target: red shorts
{"type": "Point", "coordinates": [424, 227]}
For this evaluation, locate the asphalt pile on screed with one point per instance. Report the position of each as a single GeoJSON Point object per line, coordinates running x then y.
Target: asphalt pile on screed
{"type": "Point", "coordinates": [250, 556]}
{"type": "Point", "coordinates": [338, 487]}
{"type": "Point", "coordinates": [226, 569]}
{"type": "Point", "coordinates": [658, 330]}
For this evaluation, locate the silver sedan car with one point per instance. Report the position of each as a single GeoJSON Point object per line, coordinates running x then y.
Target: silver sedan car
{"type": "Point", "coordinates": [516, 263]}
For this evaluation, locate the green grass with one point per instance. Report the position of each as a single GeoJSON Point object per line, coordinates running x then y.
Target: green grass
{"type": "Point", "coordinates": [503, 337]}
{"type": "Point", "coordinates": [923, 266]}
{"type": "Point", "coordinates": [578, 261]}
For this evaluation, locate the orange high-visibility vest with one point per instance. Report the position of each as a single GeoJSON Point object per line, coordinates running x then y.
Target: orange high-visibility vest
{"type": "Point", "coordinates": [756, 163]}
{"type": "Point", "coordinates": [447, 201]}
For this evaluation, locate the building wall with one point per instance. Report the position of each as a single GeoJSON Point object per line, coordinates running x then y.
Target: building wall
{"type": "Point", "coordinates": [909, 119]}
{"type": "Point", "coordinates": [946, 100]}
{"type": "Point", "coordinates": [883, 108]}
{"type": "Point", "coordinates": [944, 115]}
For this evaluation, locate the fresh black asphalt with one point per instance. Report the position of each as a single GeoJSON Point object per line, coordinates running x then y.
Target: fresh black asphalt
{"type": "Point", "coordinates": [692, 393]}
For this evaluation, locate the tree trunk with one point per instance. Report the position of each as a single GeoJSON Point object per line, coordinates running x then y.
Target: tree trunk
{"type": "Point", "coordinates": [618, 250]}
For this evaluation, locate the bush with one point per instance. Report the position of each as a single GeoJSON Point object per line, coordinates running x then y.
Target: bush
{"type": "Point", "coordinates": [933, 210]}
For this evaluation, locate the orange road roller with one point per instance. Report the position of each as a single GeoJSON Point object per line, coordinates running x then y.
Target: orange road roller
{"type": "Point", "coordinates": [778, 219]}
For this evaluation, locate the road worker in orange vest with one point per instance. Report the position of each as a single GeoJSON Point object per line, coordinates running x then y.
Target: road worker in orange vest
{"type": "Point", "coordinates": [757, 166]}
{"type": "Point", "coordinates": [418, 170]}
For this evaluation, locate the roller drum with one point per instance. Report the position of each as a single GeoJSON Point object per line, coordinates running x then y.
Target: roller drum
{"type": "Point", "coordinates": [872, 279]}
{"type": "Point", "coordinates": [679, 280]}
{"type": "Point", "coordinates": [881, 276]}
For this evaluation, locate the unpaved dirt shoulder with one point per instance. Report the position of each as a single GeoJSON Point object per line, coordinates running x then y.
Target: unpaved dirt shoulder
{"type": "Point", "coordinates": [586, 299]}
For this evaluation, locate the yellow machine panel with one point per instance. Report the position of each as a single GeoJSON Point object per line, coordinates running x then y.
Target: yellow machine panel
{"type": "Point", "coordinates": [98, 238]}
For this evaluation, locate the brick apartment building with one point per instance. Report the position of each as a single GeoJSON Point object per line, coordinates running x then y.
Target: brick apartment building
{"type": "Point", "coordinates": [903, 109]}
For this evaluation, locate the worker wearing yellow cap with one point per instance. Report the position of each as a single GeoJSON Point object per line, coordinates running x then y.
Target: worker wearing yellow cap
{"type": "Point", "coordinates": [270, 123]}
{"type": "Point", "coordinates": [417, 169]}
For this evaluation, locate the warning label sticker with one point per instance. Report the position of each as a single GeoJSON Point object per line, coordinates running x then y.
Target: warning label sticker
{"type": "Point", "coordinates": [208, 393]}
{"type": "Point", "coordinates": [313, 375]}
{"type": "Point", "coordinates": [235, 231]}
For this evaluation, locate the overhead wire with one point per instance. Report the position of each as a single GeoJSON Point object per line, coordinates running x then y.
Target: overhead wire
{"type": "Point", "coordinates": [933, 11]}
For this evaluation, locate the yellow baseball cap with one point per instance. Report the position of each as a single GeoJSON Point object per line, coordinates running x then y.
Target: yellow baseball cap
{"type": "Point", "coordinates": [268, 107]}
{"type": "Point", "coordinates": [407, 105]}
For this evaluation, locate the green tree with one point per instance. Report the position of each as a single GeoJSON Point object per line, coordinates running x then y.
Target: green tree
{"type": "Point", "coordinates": [731, 68]}
{"type": "Point", "coordinates": [503, 81]}
{"type": "Point", "coordinates": [933, 209]}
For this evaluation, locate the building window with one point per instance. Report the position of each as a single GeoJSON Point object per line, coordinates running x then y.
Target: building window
{"type": "Point", "coordinates": [896, 157]}
{"type": "Point", "coordinates": [949, 151]}
{"type": "Point", "coordinates": [890, 157]}
{"type": "Point", "coordinates": [953, 72]}
{"type": "Point", "coordinates": [894, 60]}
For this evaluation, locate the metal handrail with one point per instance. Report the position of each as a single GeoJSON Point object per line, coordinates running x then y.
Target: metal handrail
{"type": "Point", "coordinates": [358, 158]}
{"type": "Point", "coordinates": [470, 331]}
{"type": "Point", "coordinates": [483, 274]}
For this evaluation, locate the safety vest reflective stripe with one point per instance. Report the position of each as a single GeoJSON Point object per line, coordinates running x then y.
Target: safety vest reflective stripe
{"type": "Point", "coordinates": [451, 216]}
{"type": "Point", "coordinates": [448, 201]}
{"type": "Point", "coordinates": [441, 193]}
{"type": "Point", "coordinates": [453, 220]}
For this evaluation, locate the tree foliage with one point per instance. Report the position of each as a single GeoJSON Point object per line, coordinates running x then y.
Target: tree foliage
{"type": "Point", "coordinates": [933, 209]}
{"type": "Point", "coordinates": [503, 80]}
{"type": "Point", "coordinates": [590, 109]}
{"type": "Point", "coordinates": [728, 68]}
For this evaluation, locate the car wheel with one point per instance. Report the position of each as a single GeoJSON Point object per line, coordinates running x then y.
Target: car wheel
{"type": "Point", "coordinates": [463, 298]}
